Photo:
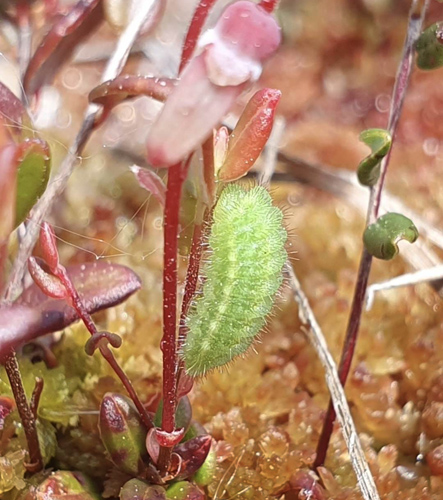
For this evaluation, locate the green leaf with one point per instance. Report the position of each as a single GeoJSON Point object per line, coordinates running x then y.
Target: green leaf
{"type": "Point", "coordinates": [381, 238]}
{"type": "Point", "coordinates": [32, 176]}
{"type": "Point", "coordinates": [379, 140]}
{"type": "Point", "coordinates": [429, 47]}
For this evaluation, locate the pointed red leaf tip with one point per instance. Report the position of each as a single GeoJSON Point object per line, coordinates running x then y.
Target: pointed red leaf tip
{"type": "Point", "coordinates": [48, 246]}
{"type": "Point", "coordinates": [100, 284]}
{"type": "Point", "coordinates": [250, 135]}
{"type": "Point", "coordinates": [232, 54]}
{"type": "Point", "coordinates": [151, 182]}
{"type": "Point", "coordinates": [48, 284]}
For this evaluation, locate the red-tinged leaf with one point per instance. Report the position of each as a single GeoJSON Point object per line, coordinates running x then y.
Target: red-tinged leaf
{"type": "Point", "coordinates": [151, 182]}
{"type": "Point", "coordinates": [48, 284]}
{"type": "Point", "coordinates": [111, 93]}
{"type": "Point", "coordinates": [100, 284]}
{"type": "Point", "coordinates": [169, 439]}
{"type": "Point", "coordinates": [193, 109]}
{"type": "Point", "coordinates": [193, 454]}
{"type": "Point", "coordinates": [250, 135]}
{"type": "Point", "coordinates": [61, 41]}
{"type": "Point", "coordinates": [12, 110]}
{"type": "Point", "coordinates": [48, 246]}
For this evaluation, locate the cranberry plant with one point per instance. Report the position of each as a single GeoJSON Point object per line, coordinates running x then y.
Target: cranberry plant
{"type": "Point", "coordinates": [237, 241]}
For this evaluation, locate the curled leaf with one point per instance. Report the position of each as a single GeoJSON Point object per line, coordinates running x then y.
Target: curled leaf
{"type": "Point", "coordinates": [122, 432]}
{"type": "Point", "coordinates": [381, 238]}
{"type": "Point", "coordinates": [193, 454]}
{"type": "Point", "coordinates": [150, 181]}
{"type": "Point", "coordinates": [59, 44]}
{"type": "Point", "coordinates": [97, 338]}
{"type": "Point", "coordinates": [379, 140]}
{"type": "Point", "coordinates": [100, 284]}
{"type": "Point", "coordinates": [111, 93]}
{"type": "Point", "coordinates": [429, 47]}
{"type": "Point", "coordinates": [250, 135]}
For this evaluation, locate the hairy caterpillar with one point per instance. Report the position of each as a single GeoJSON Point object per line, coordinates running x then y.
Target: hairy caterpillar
{"type": "Point", "coordinates": [241, 278]}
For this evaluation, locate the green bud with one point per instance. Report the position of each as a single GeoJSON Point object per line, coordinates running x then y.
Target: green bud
{"type": "Point", "coordinates": [183, 490]}
{"type": "Point", "coordinates": [381, 238]}
{"type": "Point", "coordinates": [122, 432]}
{"type": "Point", "coordinates": [379, 140]}
{"type": "Point", "coordinates": [135, 489]}
{"type": "Point", "coordinates": [429, 47]}
{"type": "Point", "coordinates": [205, 474]}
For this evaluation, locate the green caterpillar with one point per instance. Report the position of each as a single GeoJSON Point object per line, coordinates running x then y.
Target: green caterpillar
{"type": "Point", "coordinates": [243, 274]}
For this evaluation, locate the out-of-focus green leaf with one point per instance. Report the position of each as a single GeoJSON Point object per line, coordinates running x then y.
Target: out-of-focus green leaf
{"type": "Point", "coordinates": [32, 176]}
{"type": "Point", "coordinates": [429, 47]}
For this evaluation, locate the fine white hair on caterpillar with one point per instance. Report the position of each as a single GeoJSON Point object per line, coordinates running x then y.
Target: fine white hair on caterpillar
{"type": "Point", "coordinates": [242, 276]}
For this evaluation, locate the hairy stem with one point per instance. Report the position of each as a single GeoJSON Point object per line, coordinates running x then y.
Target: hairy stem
{"type": "Point", "coordinates": [197, 22]}
{"type": "Point", "coordinates": [415, 23]}
{"type": "Point", "coordinates": [169, 340]}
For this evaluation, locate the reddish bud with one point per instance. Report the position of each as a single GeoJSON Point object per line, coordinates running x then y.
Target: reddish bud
{"type": "Point", "coordinates": [250, 135]}
{"type": "Point", "coordinates": [150, 181]}
{"type": "Point", "coordinates": [48, 284]}
{"type": "Point", "coordinates": [231, 57]}
{"type": "Point", "coordinates": [48, 246]}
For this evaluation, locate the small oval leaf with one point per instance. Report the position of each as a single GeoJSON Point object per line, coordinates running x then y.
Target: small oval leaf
{"type": "Point", "coordinates": [135, 489]}
{"type": "Point", "coordinates": [429, 47]}
{"type": "Point", "coordinates": [182, 490]}
{"type": "Point", "coordinates": [379, 140]}
{"type": "Point", "coordinates": [122, 433]}
{"type": "Point", "coordinates": [32, 176]}
{"type": "Point", "coordinates": [381, 238]}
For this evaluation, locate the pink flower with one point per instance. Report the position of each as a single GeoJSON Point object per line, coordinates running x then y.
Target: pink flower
{"type": "Point", "coordinates": [231, 57]}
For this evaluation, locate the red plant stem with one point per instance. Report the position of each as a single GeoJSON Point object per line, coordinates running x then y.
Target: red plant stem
{"type": "Point", "coordinates": [36, 394]}
{"type": "Point", "coordinates": [176, 175]}
{"type": "Point", "coordinates": [190, 288]}
{"type": "Point", "coordinates": [268, 5]}
{"type": "Point", "coordinates": [26, 415]}
{"type": "Point", "coordinates": [415, 23]}
{"type": "Point", "coordinates": [105, 351]}
{"type": "Point", "coordinates": [198, 19]}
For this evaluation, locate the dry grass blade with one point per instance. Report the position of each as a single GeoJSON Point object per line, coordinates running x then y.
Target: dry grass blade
{"type": "Point", "coordinates": [316, 337]}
